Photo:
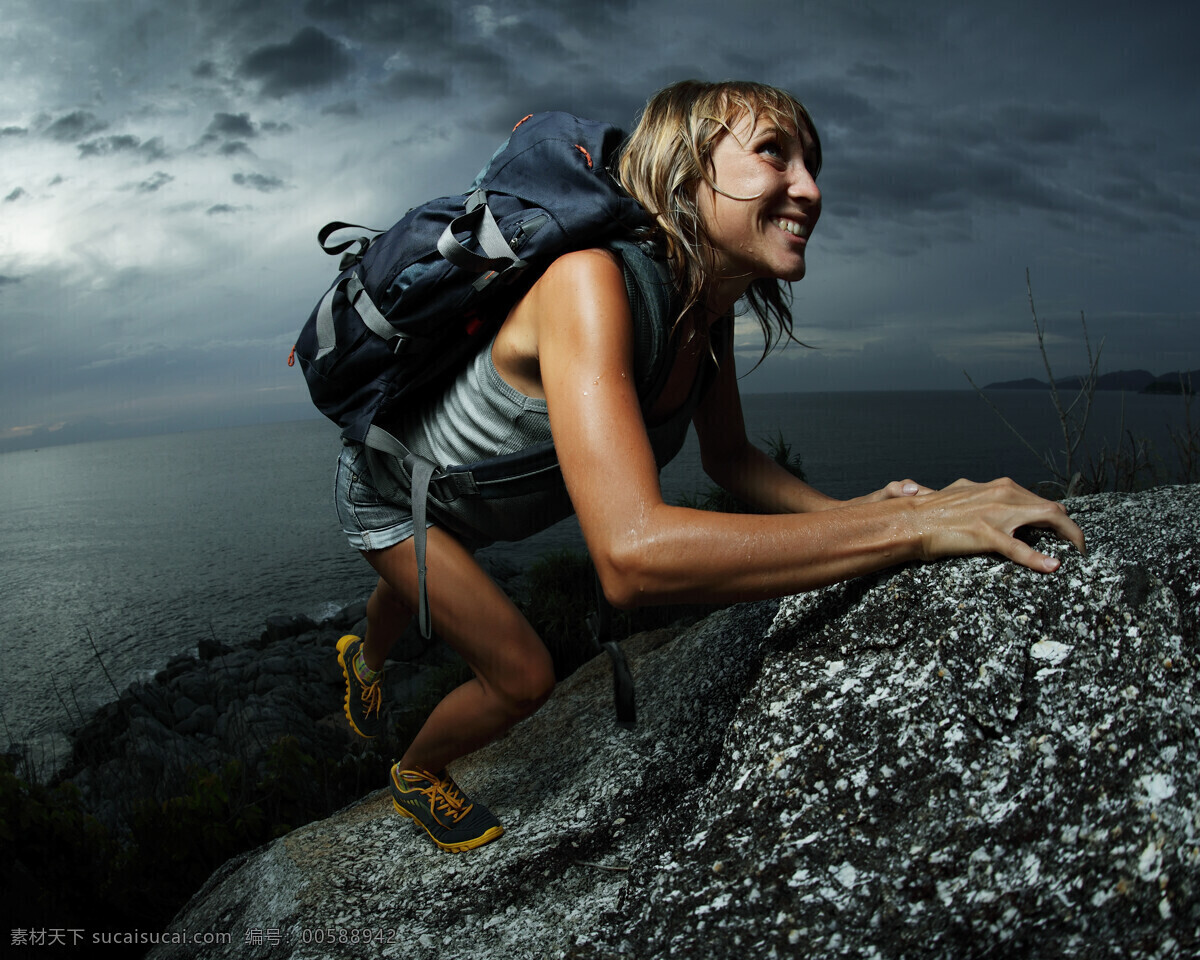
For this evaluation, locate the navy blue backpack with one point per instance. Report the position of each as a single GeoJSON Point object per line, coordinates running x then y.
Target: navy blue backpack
{"type": "Point", "coordinates": [414, 302]}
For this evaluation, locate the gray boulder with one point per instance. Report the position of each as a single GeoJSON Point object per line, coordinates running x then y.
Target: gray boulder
{"type": "Point", "coordinates": [962, 759]}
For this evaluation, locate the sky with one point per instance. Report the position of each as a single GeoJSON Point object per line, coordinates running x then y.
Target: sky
{"type": "Point", "coordinates": [165, 167]}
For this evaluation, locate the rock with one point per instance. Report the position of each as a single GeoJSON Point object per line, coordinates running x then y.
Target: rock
{"type": "Point", "coordinates": [175, 666]}
{"type": "Point", "coordinates": [195, 685]}
{"type": "Point", "coordinates": [202, 720]}
{"type": "Point", "coordinates": [962, 759]}
{"type": "Point", "coordinates": [182, 708]}
{"type": "Point", "coordinates": [347, 616]}
{"type": "Point", "coordinates": [208, 649]}
{"type": "Point", "coordinates": [205, 712]}
{"type": "Point", "coordinates": [282, 627]}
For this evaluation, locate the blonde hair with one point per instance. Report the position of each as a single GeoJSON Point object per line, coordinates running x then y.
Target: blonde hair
{"type": "Point", "coordinates": [669, 154]}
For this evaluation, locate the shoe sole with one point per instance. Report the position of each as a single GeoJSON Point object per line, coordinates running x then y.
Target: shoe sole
{"type": "Point", "coordinates": [491, 833]}
{"type": "Point", "coordinates": [341, 649]}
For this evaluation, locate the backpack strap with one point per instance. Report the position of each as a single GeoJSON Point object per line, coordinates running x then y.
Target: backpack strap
{"type": "Point", "coordinates": [599, 624]}
{"type": "Point", "coordinates": [509, 476]}
{"type": "Point", "coordinates": [420, 473]}
{"type": "Point", "coordinates": [498, 257]}
{"type": "Point", "coordinates": [351, 286]}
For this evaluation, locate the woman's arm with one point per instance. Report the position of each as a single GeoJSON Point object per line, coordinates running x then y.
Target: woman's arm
{"type": "Point", "coordinates": [648, 551]}
{"type": "Point", "coordinates": [736, 464]}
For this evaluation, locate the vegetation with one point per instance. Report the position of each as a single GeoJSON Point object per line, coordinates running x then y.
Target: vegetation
{"type": "Point", "coordinates": [66, 869]}
{"type": "Point", "coordinates": [1133, 464]}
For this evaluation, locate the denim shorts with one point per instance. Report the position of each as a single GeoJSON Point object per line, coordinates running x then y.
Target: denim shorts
{"type": "Point", "coordinates": [369, 521]}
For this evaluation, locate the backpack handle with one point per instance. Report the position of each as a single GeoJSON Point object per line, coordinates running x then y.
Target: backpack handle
{"type": "Point", "coordinates": [351, 258]}
{"type": "Point", "coordinates": [479, 221]}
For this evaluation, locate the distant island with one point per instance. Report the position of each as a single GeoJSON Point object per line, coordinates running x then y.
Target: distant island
{"type": "Point", "coordinates": [1131, 381]}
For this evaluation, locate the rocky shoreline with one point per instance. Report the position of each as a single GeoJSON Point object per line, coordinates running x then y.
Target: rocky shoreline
{"type": "Point", "coordinates": [235, 704]}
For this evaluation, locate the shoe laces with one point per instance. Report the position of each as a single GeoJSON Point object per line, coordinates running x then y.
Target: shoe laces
{"type": "Point", "coordinates": [371, 694]}
{"type": "Point", "coordinates": [372, 698]}
{"type": "Point", "coordinates": [445, 797]}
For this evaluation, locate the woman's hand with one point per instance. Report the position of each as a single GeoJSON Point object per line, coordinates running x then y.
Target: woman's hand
{"type": "Point", "coordinates": [970, 518]}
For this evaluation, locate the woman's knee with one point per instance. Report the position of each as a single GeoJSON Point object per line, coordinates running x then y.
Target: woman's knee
{"type": "Point", "coordinates": [387, 598]}
{"type": "Point", "coordinates": [524, 683]}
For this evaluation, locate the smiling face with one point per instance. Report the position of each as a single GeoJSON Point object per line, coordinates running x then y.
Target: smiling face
{"type": "Point", "coordinates": [764, 206]}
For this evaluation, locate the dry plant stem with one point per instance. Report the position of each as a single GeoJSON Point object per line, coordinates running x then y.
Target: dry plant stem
{"type": "Point", "coordinates": [100, 661]}
{"type": "Point", "coordinates": [1187, 440]}
{"type": "Point", "coordinates": [61, 702]}
{"type": "Point", "coordinates": [1072, 431]}
{"type": "Point", "coordinates": [1073, 428]}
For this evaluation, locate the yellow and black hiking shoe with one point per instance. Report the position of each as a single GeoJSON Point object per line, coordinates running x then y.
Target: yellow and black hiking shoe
{"type": "Point", "coordinates": [364, 701]}
{"type": "Point", "coordinates": [452, 821]}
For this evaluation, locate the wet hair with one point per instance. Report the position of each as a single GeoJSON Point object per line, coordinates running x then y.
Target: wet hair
{"type": "Point", "coordinates": [668, 156]}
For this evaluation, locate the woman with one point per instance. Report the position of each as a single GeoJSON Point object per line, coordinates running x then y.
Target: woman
{"type": "Point", "coordinates": [728, 173]}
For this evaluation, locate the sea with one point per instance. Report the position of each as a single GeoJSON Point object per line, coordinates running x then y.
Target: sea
{"type": "Point", "coordinates": [116, 556]}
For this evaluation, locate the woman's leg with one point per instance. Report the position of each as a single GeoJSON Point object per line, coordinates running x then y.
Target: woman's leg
{"type": "Point", "coordinates": [387, 619]}
{"type": "Point", "coordinates": [513, 671]}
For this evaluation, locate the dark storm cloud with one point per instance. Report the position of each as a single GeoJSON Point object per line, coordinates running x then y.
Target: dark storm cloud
{"type": "Point", "coordinates": [153, 149]}
{"type": "Point", "coordinates": [888, 161]}
{"type": "Point", "coordinates": [106, 145]}
{"type": "Point", "coordinates": [879, 74]}
{"type": "Point", "coordinates": [235, 129]}
{"type": "Point", "coordinates": [609, 102]}
{"type": "Point", "coordinates": [530, 37]}
{"type": "Point", "coordinates": [480, 63]}
{"type": "Point", "coordinates": [1171, 209]}
{"type": "Point", "coordinates": [836, 103]}
{"type": "Point", "coordinates": [237, 126]}
{"type": "Point", "coordinates": [409, 84]}
{"type": "Point", "coordinates": [13, 132]}
{"type": "Point", "coordinates": [17, 194]}
{"type": "Point", "coordinates": [220, 208]}
{"type": "Point", "coordinates": [149, 150]}
{"type": "Point", "coordinates": [75, 126]}
{"type": "Point", "coordinates": [419, 24]}
{"type": "Point", "coordinates": [154, 183]}
{"type": "Point", "coordinates": [1045, 126]}
{"type": "Point", "coordinates": [311, 59]}
{"type": "Point", "coordinates": [1028, 132]}
{"type": "Point", "coordinates": [7, 280]}
{"type": "Point", "coordinates": [345, 108]}
{"type": "Point", "coordinates": [258, 181]}
{"type": "Point", "coordinates": [605, 19]}
{"type": "Point", "coordinates": [935, 181]}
